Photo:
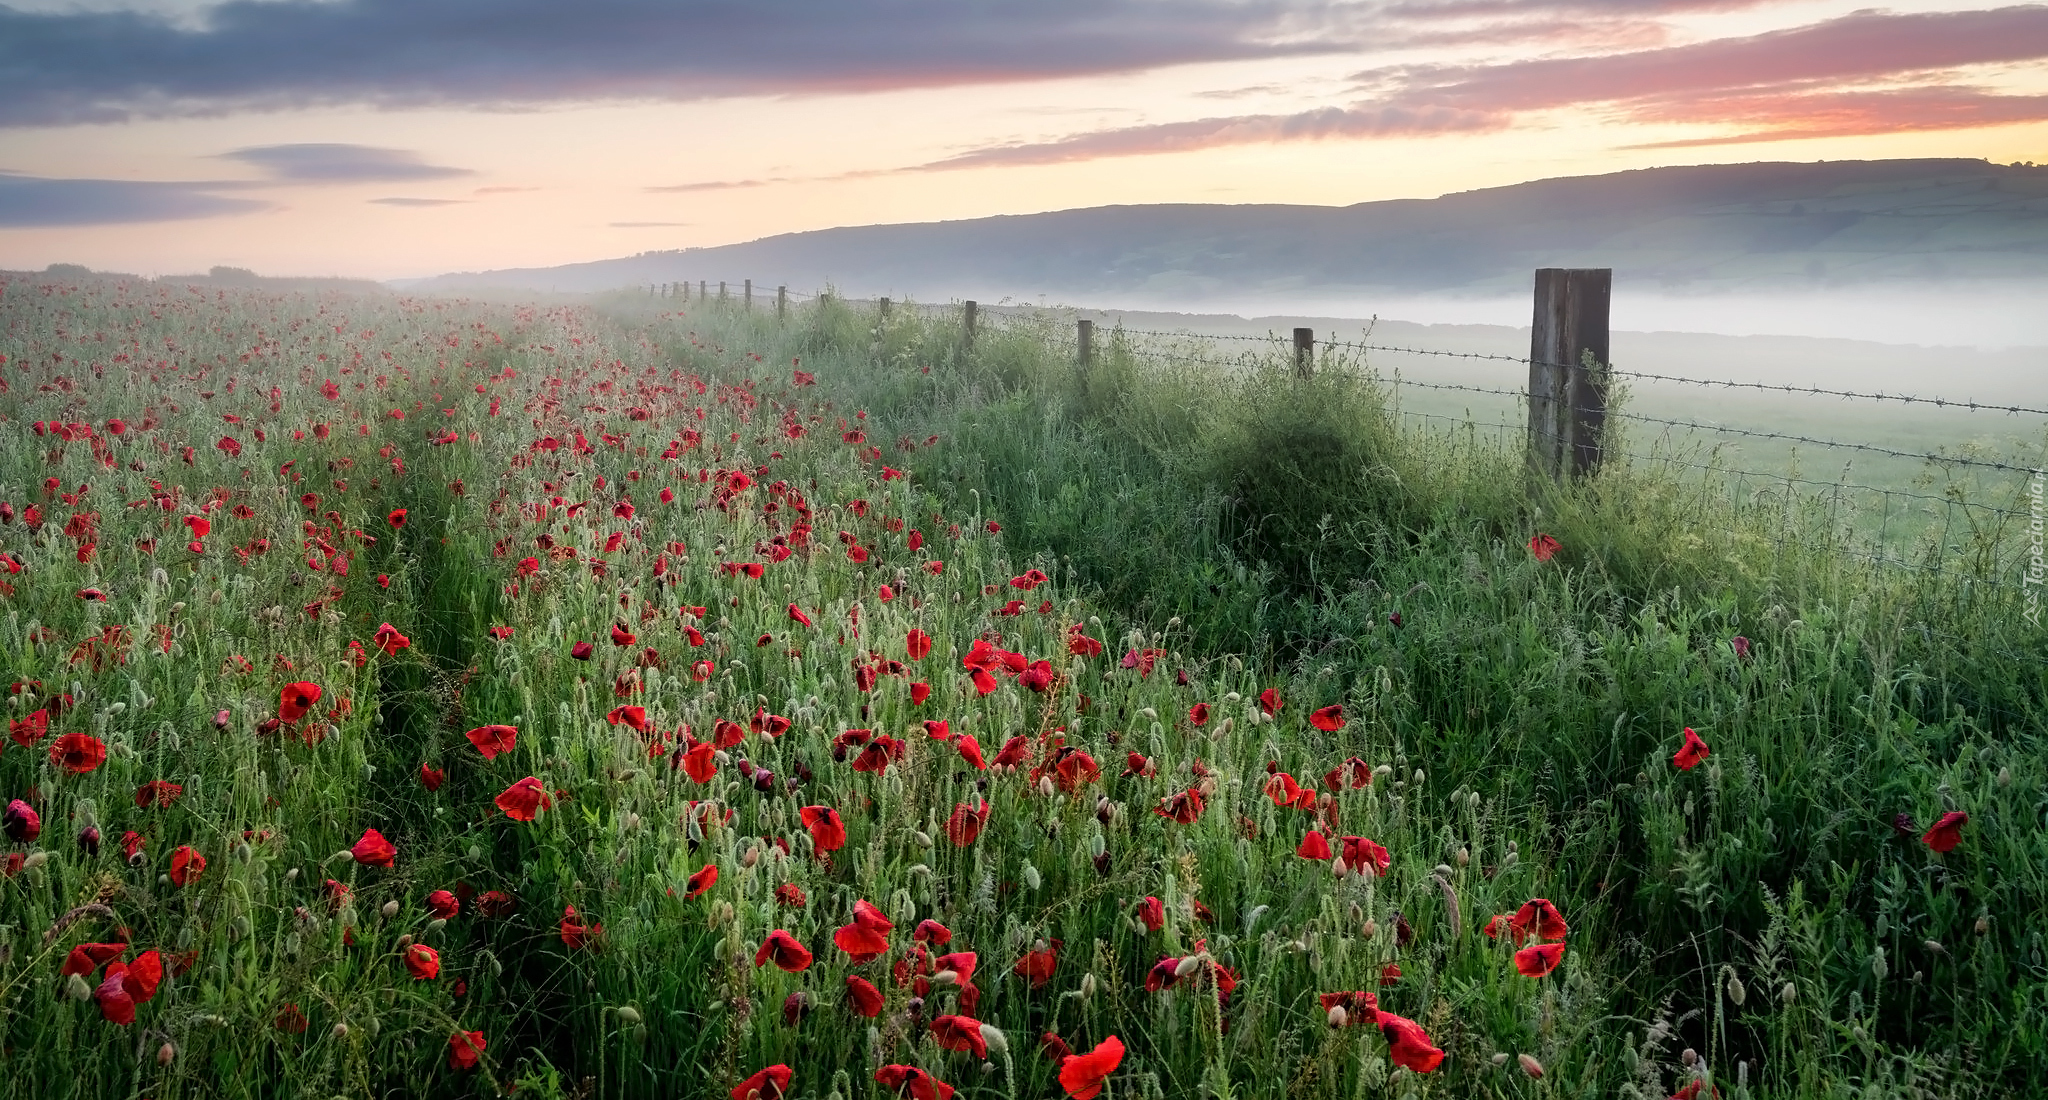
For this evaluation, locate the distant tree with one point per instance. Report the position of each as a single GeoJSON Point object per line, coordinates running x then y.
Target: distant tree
{"type": "Point", "coordinates": [68, 271]}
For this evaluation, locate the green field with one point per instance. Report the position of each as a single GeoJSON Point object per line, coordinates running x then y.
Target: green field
{"type": "Point", "coordinates": [661, 636]}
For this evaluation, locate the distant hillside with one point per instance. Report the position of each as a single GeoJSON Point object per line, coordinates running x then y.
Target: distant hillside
{"type": "Point", "coordinates": [1709, 227]}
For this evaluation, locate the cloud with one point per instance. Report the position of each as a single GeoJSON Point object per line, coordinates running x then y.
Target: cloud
{"type": "Point", "coordinates": [717, 185]}
{"type": "Point", "coordinates": [502, 190]}
{"type": "Point", "coordinates": [401, 201]}
{"type": "Point", "coordinates": [648, 225]}
{"type": "Point", "coordinates": [74, 65]}
{"type": "Point", "coordinates": [33, 201]}
{"type": "Point", "coordinates": [1866, 73]}
{"type": "Point", "coordinates": [326, 162]}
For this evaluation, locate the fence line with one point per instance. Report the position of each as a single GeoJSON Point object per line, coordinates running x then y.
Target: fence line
{"type": "Point", "coordinates": [1575, 405]}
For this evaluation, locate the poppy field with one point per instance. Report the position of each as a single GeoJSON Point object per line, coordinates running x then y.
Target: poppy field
{"type": "Point", "coordinates": [417, 697]}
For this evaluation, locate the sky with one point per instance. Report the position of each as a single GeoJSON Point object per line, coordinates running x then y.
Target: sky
{"type": "Point", "coordinates": [398, 138]}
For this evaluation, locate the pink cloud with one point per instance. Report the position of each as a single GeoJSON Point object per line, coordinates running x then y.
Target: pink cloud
{"type": "Point", "coordinates": [1808, 81]}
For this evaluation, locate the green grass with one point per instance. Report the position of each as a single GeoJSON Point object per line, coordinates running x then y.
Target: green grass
{"type": "Point", "coordinates": [1257, 532]}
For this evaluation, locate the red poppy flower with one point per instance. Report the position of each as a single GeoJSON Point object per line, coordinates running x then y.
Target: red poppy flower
{"type": "Point", "coordinates": [186, 865]}
{"type": "Point", "coordinates": [1360, 854]}
{"type": "Point", "coordinates": [1313, 846]}
{"type": "Point", "coordinates": [699, 762]}
{"type": "Point", "coordinates": [1082, 1075]}
{"type": "Point", "coordinates": [1329, 719]}
{"type": "Point", "coordinates": [432, 777]}
{"type": "Point", "coordinates": [524, 799]}
{"type": "Point", "coordinates": [88, 957]}
{"type": "Point", "coordinates": [388, 639]}
{"type": "Point", "coordinates": [768, 1084]}
{"type": "Point", "coordinates": [932, 932]}
{"type": "Point", "coordinates": [492, 740]}
{"type": "Point", "coordinates": [576, 934]}
{"type": "Point", "coordinates": [1691, 753]}
{"type": "Point", "coordinates": [443, 905]}
{"type": "Point", "coordinates": [1408, 1045]}
{"type": "Point", "coordinates": [1270, 701]}
{"type": "Point", "coordinates": [1946, 833]}
{"type": "Point", "coordinates": [1199, 714]}
{"type": "Point", "coordinates": [796, 615]}
{"type": "Point", "coordinates": [784, 950]}
{"type": "Point", "coordinates": [863, 940]}
{"type": "Point", "coordinates": [27, 731]}
{"type": "Point", "coordinates": [78, 753]}
{"type": "Point", "coordinates": [117, 1005]}
{"type": "Point", "coordinates": [1153, 912]}
{"type": "Point", "coordinates": [582, 651]}
{"type": "Point", "coordinates": [1014, 751]}
{"type": "Point", "coordinates": [1354, 773]}
{"type": "Point", "coordinates": [422, 962]}
{"type": "Point", "coordinates": [1537, 915]}
{"type": "Point", "coordinates": [1036, 677]}
{"type": "Point", "coordinates": [1039, 965]}
{"type": "Point", "coordinates": [1538, 959]}
{"type": "Point", "coordinates": [702, 881]}
{"type": "Point", "coordinates": [862, 996]}
{"type": "Point", "coordinates": [373, 850]}
{"type": "Point", "coordinates": [961, 1033]}
{"type": "Point", "coordinates": [464, 1047]}
{"type": "Point", "coordinates": [1543, 546]}
{"type": "Point", "coordinates": [634, 716]}
{"type": "Point", "coordinates": [913, 1082]}
{"type": "Point", "coordinates": [1185, 807]}
{"type": "Point", "coordinates": [22, 822]}
{"type": "Point", "coordinates": [828, 833]}
{"type": "Point", "coordinates": [296, 699]}
{"type": "Point", "coordinates": [144, 975]}
{"type": "Point", "coordinates": [623, 637]}
{"type": "Point", "coordinates": [768, 725]}
{"type": "Point", "coordinates": [965, 825]}
{"type": "Point", "coordinates": [396, 517]}
{"type": "Point", "coordinates": [495, 903]}
{"type": "Point", "coordinates": [918, 644]}
{"type": "Point", "coordinates": [1357, 1005]}
{"type": "Point", "coordinates": [970, 751]}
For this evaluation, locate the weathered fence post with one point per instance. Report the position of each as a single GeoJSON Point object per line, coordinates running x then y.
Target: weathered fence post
{"type": "Point", "coordinates": [1085, 335]}
{"type": "Point", "coordinates": [1304, 352]}
{"type": "Point", "coordinates": [721, 290]}
{"type": "Point", "coordinates": [883, 307]}
{"type": "Point", "coordinates": [1568, 370]}
{"type": "Point", "coordinates": [781, 302]}
{"type": "Point", "coordinates": [750, 294]}
{"type": "Point", "coordinates": [700, 290]}
{"type": "Point", "coordinates": [967, 327]}
{"type": "Point", "coordinates": [685, 284]}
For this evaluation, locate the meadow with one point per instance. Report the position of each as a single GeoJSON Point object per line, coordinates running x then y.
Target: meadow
{"type": "Point", "coordinates": [622, 698]}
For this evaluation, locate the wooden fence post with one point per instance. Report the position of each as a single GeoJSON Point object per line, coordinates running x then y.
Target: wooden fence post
{"type": "Point", "coordinates": [781, 302]}
{"type": "Point", "coordinates": [1304, 352]}
{"type": "Point", "coordinates": [685, 284]}
{"type": "Point", "coordinates": [750, 294]}
{"type": "Point", "coordinates": [967, 327]}
{"type": "Point", "coordinates": [1086, 337]}
{"type": "Point", "coordinates": [700, 290]}
{"type": "Point", "coordinates": [882, 306]}
{"type": "Point", "coordinates": [1567, 396]}
{"type": "Point", "coordinates": [721, 290]}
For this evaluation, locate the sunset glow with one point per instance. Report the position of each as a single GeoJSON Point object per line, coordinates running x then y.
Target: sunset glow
{"type": "Point", "coordinates": [390, 138]}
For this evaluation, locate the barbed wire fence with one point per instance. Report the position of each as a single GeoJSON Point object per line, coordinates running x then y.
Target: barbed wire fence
{"type": "Point", "coordinates": [1912, 529]}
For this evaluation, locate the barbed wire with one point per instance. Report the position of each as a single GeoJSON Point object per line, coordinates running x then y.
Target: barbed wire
{"type": "Point", "coordinates": [1942, 402]}
{"type": "Point", "coordinates": [1951, 460]}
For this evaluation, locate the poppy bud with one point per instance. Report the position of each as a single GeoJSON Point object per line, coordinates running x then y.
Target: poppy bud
{"type": "Point", "coordinates": [340, 1032]}
{"type": "Point", "coordinates": [1789, 993]}
{"type": "Point", "coordinates": [89, 840]}
{"type": "Point", "coordinates": [1372, 928]}
{"type": "Point", "coordinates": [1688, 1056]}
{"type": "Point", "coordinates": [1499, 1059]}
{"type": "Point", "coordinates": [1185, 966]}
{"type": "Point", "coordinates": [998, 1043]}
{"type": "Point", "coordinates": [629, 1014]}
{"type": "Point", "coordinates": [1102, 863]}
{"type": "Point", "coordinates": [1088, 985]}
{"type": "Point", "coordinates": [923, 839]}
{"type": "Point", "coordinates": [220, 720]}
{"type": "Point", "coordinates": [1338, 868]}
{"type": "Point", "coordinates": [1736, 992]}
{"type": "Point", "coordinates": [1530, 1065]}
{"type": "Point", "coordinates": [390, 909]}
{"type": "Point", "coordinates": [1338, 1017]}
{"type": "Point", "coordinates": [1464, 857]}
{"type": "Point", "coordinates": [1983, 925]}
{"type": "Point", "coordinates": [242, 852]}
{"type": "Point", "coordinates": [166, 1053]}
{"type": "Point", "coordinates": [77, 989]}
{"type": "Point", "coordinates": [2005, 777]}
